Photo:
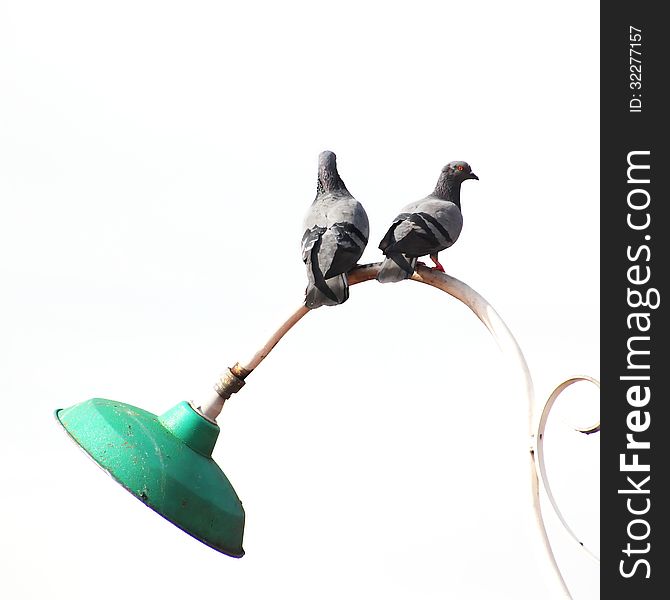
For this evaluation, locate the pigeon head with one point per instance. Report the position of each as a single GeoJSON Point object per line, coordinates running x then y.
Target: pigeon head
{"type": "Point", "coordinates": [449, 184]}
{"type": "Point", "coordinates": [329, 179]}
{"type": "Point", "coordinates": [459, 170]}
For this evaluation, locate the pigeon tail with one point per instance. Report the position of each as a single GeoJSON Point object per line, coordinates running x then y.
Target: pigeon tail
{"type": "Point", "coordinates": [396, 267]}
{"type": "Point", "coordinates": [328, 292]}
{"type": "Point", "coordinates": [321, 291]}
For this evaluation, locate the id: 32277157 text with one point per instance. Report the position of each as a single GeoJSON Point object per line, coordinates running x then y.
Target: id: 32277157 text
{"type": "Point", "coordinates": [635, 69]}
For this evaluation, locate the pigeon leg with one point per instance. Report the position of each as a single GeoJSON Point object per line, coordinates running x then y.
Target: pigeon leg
{"type": "Point", "coordinates": [438, 266]}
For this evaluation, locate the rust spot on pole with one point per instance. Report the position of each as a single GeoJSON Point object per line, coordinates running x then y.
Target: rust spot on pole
{"type": "Point", "coordinates": [229, 383]}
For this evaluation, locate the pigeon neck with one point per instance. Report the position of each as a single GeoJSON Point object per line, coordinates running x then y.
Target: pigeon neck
{"type": "Point", "coordinates": [329, 181]}
{"type": "Point", "coordinates": [448, 189]}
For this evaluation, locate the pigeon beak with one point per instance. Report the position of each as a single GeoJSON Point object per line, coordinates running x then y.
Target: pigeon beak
{"type": "Point", "coordinates": [473, 176]}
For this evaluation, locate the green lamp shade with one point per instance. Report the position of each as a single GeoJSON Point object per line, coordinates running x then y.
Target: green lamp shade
{"type": "Point", "coordinates": [166, 462]}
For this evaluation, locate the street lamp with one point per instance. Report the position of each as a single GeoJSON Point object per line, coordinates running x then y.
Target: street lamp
{"type": "Point", "coordinates": [166, 460]}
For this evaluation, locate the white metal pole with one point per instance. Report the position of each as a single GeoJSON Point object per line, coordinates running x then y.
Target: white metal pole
{"type": "Point", "coordinates": [233, 379]}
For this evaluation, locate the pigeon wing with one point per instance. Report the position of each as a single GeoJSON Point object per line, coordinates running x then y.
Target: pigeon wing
{"type": "Point", "coordinates": [340, 233]}
{"type": "Point", "coordinates": [434, 226]}
{"type": "Point", "coordinates": [389, 239]}
{"type": "Point", "coordinates": [350, 244]}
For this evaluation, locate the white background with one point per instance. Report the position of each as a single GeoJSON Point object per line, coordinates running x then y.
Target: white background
{"type": "Point", "coordinates": [156, 161]}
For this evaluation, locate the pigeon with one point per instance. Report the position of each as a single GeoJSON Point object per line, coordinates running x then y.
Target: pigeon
{"type": "Point", "coordinates": [336, 233]}
{"type": "Point", "coordinates": [425, 227]}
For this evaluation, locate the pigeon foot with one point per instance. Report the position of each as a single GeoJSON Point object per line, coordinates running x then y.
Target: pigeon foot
{"type": "Point", "coordinates": [438, 266]}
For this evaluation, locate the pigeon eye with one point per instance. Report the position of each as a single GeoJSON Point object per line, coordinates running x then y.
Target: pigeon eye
{"type": "Point", "coordinates": [459, 167]}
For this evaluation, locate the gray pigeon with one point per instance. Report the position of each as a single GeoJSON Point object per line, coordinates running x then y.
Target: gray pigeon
{"type": "Point", "coordinates": [336, 233]}
{"type": "Point", "coordinates": [425, 227]}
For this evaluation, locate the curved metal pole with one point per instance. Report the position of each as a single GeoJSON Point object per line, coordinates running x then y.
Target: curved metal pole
{"type": "Point", "coordinates": [233, 379]}
{"type": "Point", "coordinates": [510, 348]}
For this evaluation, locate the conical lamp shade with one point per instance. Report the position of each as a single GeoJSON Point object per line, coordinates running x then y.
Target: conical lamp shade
{"type": "Point", "coordinates": [166, 462]}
